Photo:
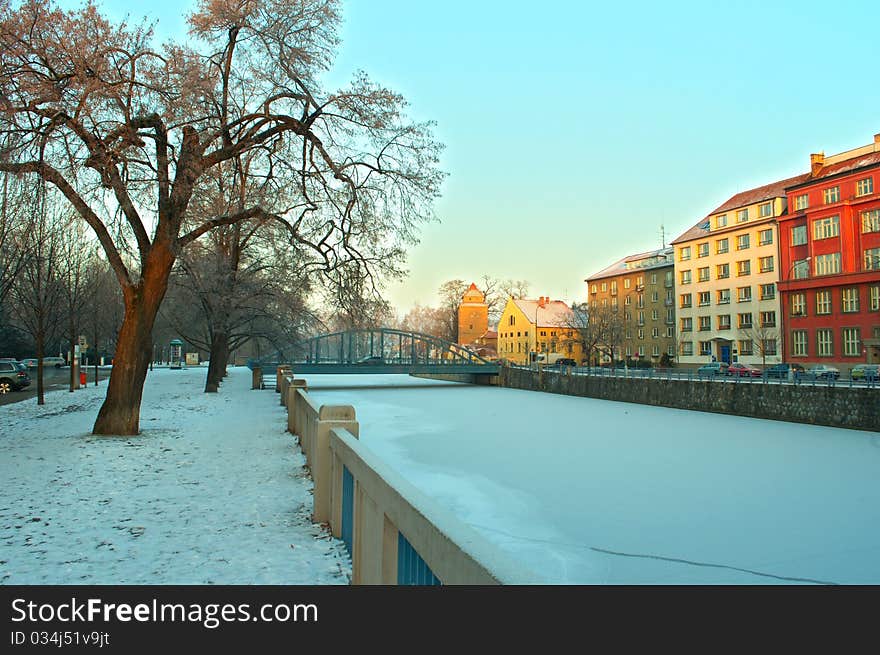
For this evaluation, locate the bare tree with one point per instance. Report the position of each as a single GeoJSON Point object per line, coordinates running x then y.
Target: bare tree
{"type": "Point", "coordinates": [764, 340]}
{"type": "Point", "coordinates": [77, 273]}
{"type": "Point", "coordinates": [129, 133]}
{"type": "Point", "coordinates": [15, 217]}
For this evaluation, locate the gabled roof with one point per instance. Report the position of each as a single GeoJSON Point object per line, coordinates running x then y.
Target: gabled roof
{"type": "Point", "coordinates": [553, 314]}
{"type": "Point", "coordinates": [620, 266]}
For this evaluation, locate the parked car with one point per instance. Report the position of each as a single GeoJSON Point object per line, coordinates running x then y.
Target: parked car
{"type": "Point", "coordinates": [713, 369]}
{"type": "Point", "coordinates": [564, 361]}
{"type": "Point", "coordinates": [370, 360]}
{"type": "Point", "coordinates": [30, 362]}
{"type": "Point", "coordinates": [13, 377]}
{"type": "Point", "coordinates": [738, 369]}
{"type": "Point", "coordinates": [865, 372]}
{"type": "Point", "coordinates": [57, 362]}
{"type": "Point", "coordinates": [782, 370]}
{"type": "Point", "coordinates": [824, 372]}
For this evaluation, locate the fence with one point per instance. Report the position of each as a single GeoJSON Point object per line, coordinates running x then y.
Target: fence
{"type": "Point", "coordinates": [394, 533]}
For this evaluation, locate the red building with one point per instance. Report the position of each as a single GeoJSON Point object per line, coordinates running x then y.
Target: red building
{"type": "Point", "coordinates": [829, 255]}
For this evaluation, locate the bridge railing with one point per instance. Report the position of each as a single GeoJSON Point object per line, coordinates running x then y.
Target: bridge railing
{"type": "Point", "coordinates": [394, 533]}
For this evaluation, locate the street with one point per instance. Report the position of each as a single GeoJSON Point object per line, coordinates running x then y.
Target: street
{"type": "Point", "coordinates": [53, 378]}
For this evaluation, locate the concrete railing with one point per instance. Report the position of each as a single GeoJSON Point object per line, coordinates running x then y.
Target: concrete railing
{"type": "Point", "coordinates": [395, 533]}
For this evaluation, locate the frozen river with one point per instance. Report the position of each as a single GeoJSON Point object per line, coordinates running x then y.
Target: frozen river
{"type": "Point", "coordinates": [590, 492]}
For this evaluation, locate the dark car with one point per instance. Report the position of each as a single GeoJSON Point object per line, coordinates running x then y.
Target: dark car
{"type": "Point", "coordinates": [738, 369]}
{"type": "Point", "coordinates": [824, 372]}
{"type": "Point", "coordinates": [565, 361]}
{"type": "Point", "coordinates": [13, 377]}
{"type": "Point", "coordinates": [371, 360]}
{"type": "Point", "coordinates": [782, 370]}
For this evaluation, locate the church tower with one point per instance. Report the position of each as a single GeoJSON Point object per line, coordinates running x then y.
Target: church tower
{"type": "Point", "coordinates": [473, 316]}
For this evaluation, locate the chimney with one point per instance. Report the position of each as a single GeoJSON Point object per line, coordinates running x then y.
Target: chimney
{"type": "Point", "coordinates": [817, 161]}
{"type": "Point", "coordinates": [541, 302]}
{"type": "Point", "coordinates": [876, 141]}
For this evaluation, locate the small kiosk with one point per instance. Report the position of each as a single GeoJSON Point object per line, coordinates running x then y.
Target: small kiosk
{"type": "Point", "coordinates": [176, 358]}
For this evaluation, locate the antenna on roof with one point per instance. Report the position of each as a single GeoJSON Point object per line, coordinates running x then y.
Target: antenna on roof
{"type": "Point", "coordinates": [662, 236]}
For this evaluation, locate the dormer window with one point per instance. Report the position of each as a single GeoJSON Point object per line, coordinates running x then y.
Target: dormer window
{"type": "Point", "coordinates": [721, 220]}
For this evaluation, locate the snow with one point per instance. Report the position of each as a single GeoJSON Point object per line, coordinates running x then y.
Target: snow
{"type": "Point", "coordinates": [590, 491]}
{"type": "Point", "coordinates": [213, 491]}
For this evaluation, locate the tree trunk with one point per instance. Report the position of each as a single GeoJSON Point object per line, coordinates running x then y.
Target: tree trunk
{"type": "Point", "coordinates": [217, 365]}
{"type": "Point", "coordinates": [120, 413]}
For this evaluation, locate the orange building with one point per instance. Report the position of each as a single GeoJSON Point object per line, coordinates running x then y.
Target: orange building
{"type": "Point", "coordinates": [473, 316]}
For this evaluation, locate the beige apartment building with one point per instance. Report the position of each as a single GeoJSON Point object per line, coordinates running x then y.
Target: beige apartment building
{"type": "Point", "coordinates": [726, 269]}
{"type": "Point", "coordinates": [635, 299]}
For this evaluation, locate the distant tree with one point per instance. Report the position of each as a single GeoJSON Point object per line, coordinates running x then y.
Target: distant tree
{"type": "Point", "coordinates": [764, 341]}
{"type": "Point", "coordinates": [128, 133]}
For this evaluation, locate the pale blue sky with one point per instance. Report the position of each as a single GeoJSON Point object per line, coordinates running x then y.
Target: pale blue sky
{"type": "Point", "coordinates": [574, 129]}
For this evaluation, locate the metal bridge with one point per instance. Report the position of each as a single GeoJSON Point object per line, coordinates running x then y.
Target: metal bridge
{"type": "Point", "coordinates": [379, 350]}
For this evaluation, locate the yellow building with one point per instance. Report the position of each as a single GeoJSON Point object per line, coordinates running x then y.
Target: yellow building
{"type": "Point", "coordinates": [473, 316]}
{"type": "Point", "coordinates": [556, 333]}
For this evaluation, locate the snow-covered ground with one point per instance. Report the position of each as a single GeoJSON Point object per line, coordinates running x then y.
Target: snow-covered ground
{"type": "Point", "coordinates": [591, 491]}
{"type": "Point", "coordinates": [212, 492]}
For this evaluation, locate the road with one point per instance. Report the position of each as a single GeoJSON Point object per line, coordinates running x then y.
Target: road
{"type": "Point", "coordinates": [53, 378]}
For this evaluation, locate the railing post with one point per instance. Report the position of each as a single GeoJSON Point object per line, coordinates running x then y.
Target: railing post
{"type": "Point", "coordinates": [329, 417]}
{"type": "Point", "coordinates": [256, 378]}
{"type": "Point", "coordinates": [279, 374]}
{"type": "Point", "coordinates": [293, 409]}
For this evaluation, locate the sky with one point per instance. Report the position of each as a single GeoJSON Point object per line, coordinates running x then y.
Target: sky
{"type": "Point", "coordinates": [575, 130]}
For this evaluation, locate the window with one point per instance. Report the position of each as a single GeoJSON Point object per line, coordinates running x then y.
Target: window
{"type": "Point", "coordinates": [769, 346]}
{"type": "Point", "coordinates": [604, 302]}
{"type": "Point", "coordinates": [721, 246]}
{"type": "Point", "coordinates": [687, 324]}
{"type": "Point", "coordinates": [724, 296]}
{"type": "Point", "coordinates": [742, 242]}
{"type": "Point", "coordinates": [871, 221]}
{"type": "Point", "coordinates": [724, 321]}
{"type": "Point", "coordinates": [722, 271]}
{"type": "Point", "coordinates": [670, 316]}
{"type": "Point", "coordinates": [765, 237]}
{"type": "Point", "coordinates": [703, 274]}
{"type": "Point", "coordinates": [685, 277]}
{"type": "Point", "coordinates": [744, 321]}
{"type": "Point", "coordinates": [655, 315]}
{"type": "Point", "coordinates": [705, 323]}
{"type": "Point", "coordinates": [852, 345]}
{"type": "Point", "coordinates": [799, 235]}
{"type": "Point", "coordinates": [684, 253]}
{"type": "Point", "coordinates": [721, 221]}
{"type": "Point", "coordinates": [766, 264]}
{"type": "Point", "coordinates": [653, 278]}
{"type": "Point", "coordinates": [745, 347]}
{"type": "Point", "coordinates": [655, 351]}
{"type": "Point", "coordinates": [768, 319]}
{"type": "Point", "coordinates": [613, 287]}
{"type": "Point", "coordinates": [766, 209]}
{"type": "Point", "coordinates": [800, 269]}
{"type": "Point", "coordinates": [629, 350]}
{"type": "Point", "coordinates": [831, 195]}
{"type": "Point", "coordinates": [830, 264]}
{"type": "Point", "coordinates": [743, 268]}
{"type": "Point", "coordinates": [802, 201]}
{"type": "Point", "coordinates": [626, 283]}
{"type": "Point", "coordinates": [850, 299]}
{"type": "Point", "coordinates": [823, 302]}
{"type": "Point", "coordinates": [627, 300]}
{"type": "Point", "coordinates": [641, 320]}
{"type": "Point", "coordinates": [593, 289]}
{"type": "Point", "coordinates": [705, 347]}
{"type": "Point", "coordinates": [768, 291]}
{"type": "Point", "coordinates": [687, 348]}
{"type": "Point", "coordinates": [655, 296]}
{"type": "Point", "coordinates": [865, 187]}
{"type": "Point", "coordinates": [703, 249]}
{"type": "Point", "coordinates": [670, 349]}
{"type": "Point", "coordinates": [744, 294]}
{"type": "Point", "coordinates": [798, 304]}
{"type": "Point", "coordinates": [685, 300]}
{"type": "Point", "coordinates": [655, 333]}
{"type": "Point", "coordinates": [825, 228]}
{"type": "Point", "coordinates": [614, 304]}
{"type": "Point", "coordinates": [667, 278]}
{"type": "Point", "coordinates": [874, 298]}
{"type": "Point", "coordinates": [641, 333]}
{"type": "Point", "coordinates": [705, 298]}
{"type": "Point", "coordinates": [799, 343]}
{"type": "Point", "coordinates": [742, 215]}
{"type": "Point", "coordinates": [824, 342]}
{"type": "Point", "coordinates": [872, 259]}
{"type": "Point", "coordinates": [604, 287]}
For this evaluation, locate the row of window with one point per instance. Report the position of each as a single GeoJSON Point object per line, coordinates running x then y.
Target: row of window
{"type": "Point", "coordinates": [743, 294]}
{"type": "Point", "coordinates": [765, 210]}
{"type": "Point", "coordinates": [829, 227]}
{"type": "Point", "coordinates": [655, 351]}
{"type": "Point", "coordinates": [864, 187]}
{"type": "Point", "coordinates": [722, 271]}
{"type": "Point", "coordinates": [627, 283]}
{"type": "Point", "coordinates": [763, 347]}
{"type": "Point", "coordinates": [850, 344]}
{"type": "Point", "coordinates": [850, 301]}
{"type": "Point", "coordinates": [743, 242]}
{"type": "Point", "coordinates": [744, 321]}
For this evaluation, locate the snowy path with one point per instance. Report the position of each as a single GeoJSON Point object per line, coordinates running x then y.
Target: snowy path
{"type": "Point", "coordinates": [212, 492]}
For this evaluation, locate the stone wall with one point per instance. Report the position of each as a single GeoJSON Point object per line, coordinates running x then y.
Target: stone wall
{"type": "Point", "coordinates": [838, 406]}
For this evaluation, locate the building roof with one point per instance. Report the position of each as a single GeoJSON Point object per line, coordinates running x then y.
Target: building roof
{"type": "Point", "coordinates": [620, 266]}
{"type": "Point", "coordinates": [840, 167]}
{"type": "Point", "coordinates": [553, 314]}
{"type": "Point", "coordinates": [489, 334]}
{"type": "Point", "coordinates": [742, 199]}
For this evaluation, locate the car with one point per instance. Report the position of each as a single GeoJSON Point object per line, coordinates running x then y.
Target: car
{"type": "Point", "coordinates": [865, 372]}
{"type": "Point", "coordinates": [30, 362]}
{"type": "Point", "coordinates": [13, 377]}
{"type": "Point", "coordinates": [782, 370]}
{"type": "Point", "coordinates": [824, 372]}
{"type": "Point", "coordinates": [712, 369]}
{"type": "Point", "coordinates": [370, 360]}
{"type": "Point", "coordinates": [738, 369]}
{"type": "Point", "coordinates": [57, 362]}
{"type": "Point", "coordinates": [564, 361]}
